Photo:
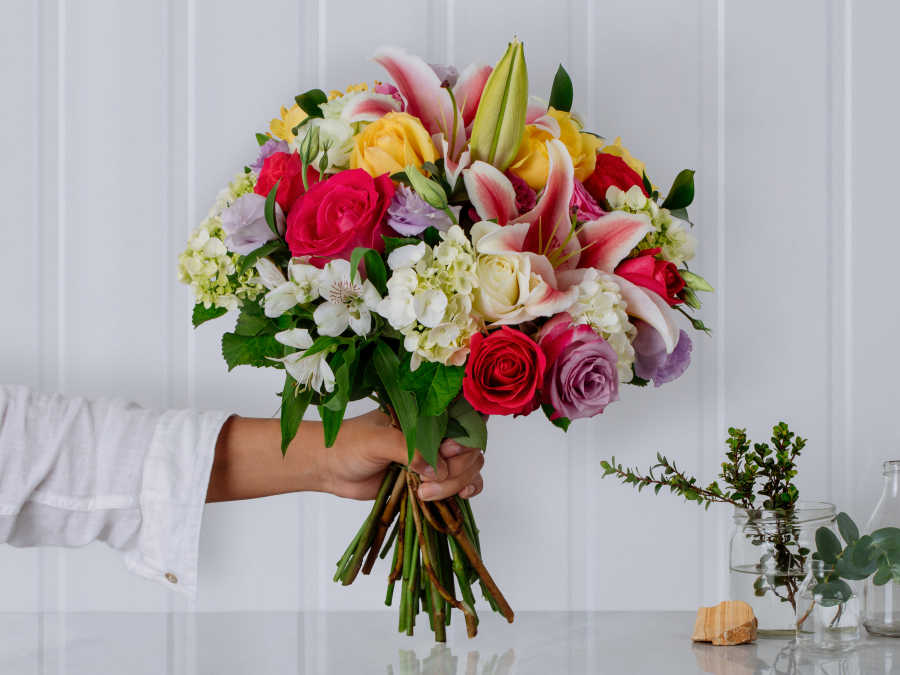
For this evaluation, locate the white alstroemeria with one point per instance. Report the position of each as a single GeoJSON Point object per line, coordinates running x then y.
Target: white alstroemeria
{"type": "Point", "coordinates": [312, 371]}
{"type": "Point", "coordinates": [347, 303]}
{"type": "Point", "coordinates": [406, 256]}
{"type": "Point", "coordinates": [299, 289]}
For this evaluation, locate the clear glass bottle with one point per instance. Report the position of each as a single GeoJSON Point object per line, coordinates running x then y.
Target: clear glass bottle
{"type": "Point", "coordinates": [822, 624]}
{"type": "Point", "coordinates": [768, 555]}
{"type": "Point", "coordinates": [881, 615]}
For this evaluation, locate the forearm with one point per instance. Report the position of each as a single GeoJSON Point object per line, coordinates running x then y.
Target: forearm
{"type": "Point", "coordinates": [248, 461]}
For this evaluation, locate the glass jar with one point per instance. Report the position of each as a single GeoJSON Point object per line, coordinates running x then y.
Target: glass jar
{"type": "Point", "coordinates": [768, 554]}
{"type": "Point", "coordinates": [882, 603]}
{"type": "Point", "coordinates": [823, 623]}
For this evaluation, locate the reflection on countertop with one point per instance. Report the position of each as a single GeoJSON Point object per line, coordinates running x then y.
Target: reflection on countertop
{"type": "Point", "coordinates": [319, 643]}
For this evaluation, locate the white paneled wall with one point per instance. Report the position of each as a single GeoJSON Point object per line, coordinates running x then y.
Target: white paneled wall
{"type": "Point", "coordinates": [121, 121]}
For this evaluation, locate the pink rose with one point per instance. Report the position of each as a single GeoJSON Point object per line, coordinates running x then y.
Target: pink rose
{"type": "Point", "coordinates": [338, 215]}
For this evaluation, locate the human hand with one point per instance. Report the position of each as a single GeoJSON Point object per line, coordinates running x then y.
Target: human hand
{"type": "Point", "coordinates": [366, 445]}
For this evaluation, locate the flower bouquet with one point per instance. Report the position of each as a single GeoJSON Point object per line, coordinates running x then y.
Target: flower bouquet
{"type": "Point", "coordinates": [451, 248]}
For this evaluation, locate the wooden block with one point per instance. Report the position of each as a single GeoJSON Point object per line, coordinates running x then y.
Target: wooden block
{"type": "Point", "coordinates": [729, 623]}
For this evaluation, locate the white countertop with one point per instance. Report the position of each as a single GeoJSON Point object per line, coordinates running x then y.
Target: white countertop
{"type": "Point", "coordinates": [350, 643]}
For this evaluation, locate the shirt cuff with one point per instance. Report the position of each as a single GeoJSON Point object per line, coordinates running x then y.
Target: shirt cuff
{"type": "Point", "coordinates": [173, 493]}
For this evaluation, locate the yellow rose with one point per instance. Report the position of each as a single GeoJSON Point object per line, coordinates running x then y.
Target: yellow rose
{"type": "Point", "coordinates": [283, 128]}
{"type": "Point", "coordinates": [531, 163]}
{"type": "Point", "coordinates": [616, 148]}
{"type": "Point", "coordinates": [391, 143]}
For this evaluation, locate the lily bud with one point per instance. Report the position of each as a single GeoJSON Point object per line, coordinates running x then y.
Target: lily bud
{"type": "Point", "coordinates": [426, 188]}
{"type": "Point", "coordinates": [500, 120]}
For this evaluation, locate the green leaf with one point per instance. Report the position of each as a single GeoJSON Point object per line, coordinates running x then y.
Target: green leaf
{"type": "Point", "coordinates": [471, 421]}
{"type": "Point", "coordinates": [561, 422]}
{"type": "Point", "coordinates": [848, 529]}
{"type": "Point", "coordinates": [682, 214]}
{"type": "Point", "coordinates": [393, 243]}
{"type": "Point", "coordinates": [430, 430]}
{"type": "Point", "coordinates": [376, 272]}
{"type": "Point", "coordinates": [828, 544]}
{"type": "Point", "coordinates": [270, 208]}
{"type": "Point", "coordinates": [310, 101]}
{"type": "Point", "coordinates": [834, 592]}
{"type": "Point", "coordinates": [882, 576]}
{"type": "Point", "coordinates": [648, 186]}
{"type": "Point", "coordinates": [323, 342]}
{"type": "Point", "coordinates": [431, 236]}
{"type": "Point", "coordinates": [695, 281]}
{"type": "Point", "coordinates": [444, 388]}
{"type": "Point", "coordinates": [262, 139]}
{"type": "Point", "coordinates": [250, 260]}
{"type": "Point", "coordinates": [255, 351]}
{"type": "Point", "coordinates": [387, 365]}
{"type": "Point", "coordinates": [253, 321]}
{"type": "Point", "coordinates": [203, 314]}
{"type": "Point", "coordinates": [561, 93]}
{"type": "Point", "coordinates": [293, 407]}
{"type": "Point", "coordinates": [859, 561]}
{"type": "Point", "coordinates": [681, 194]}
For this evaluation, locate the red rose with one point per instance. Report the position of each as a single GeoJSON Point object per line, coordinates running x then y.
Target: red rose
{"type": "Point", "coordinates": [289, 170]}
{"type": "Point", "coordinates": [339, 214]}
{"type": "Point", "coordinates": [659, 276]}
{"type": "Point", "coordinates": [611, 170]}
{"type": "Point", "coordinates": [503, 373]}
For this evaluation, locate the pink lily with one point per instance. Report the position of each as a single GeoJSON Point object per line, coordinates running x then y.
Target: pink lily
{"type": "Point", "coordinates": [491, 193]}
{"type": "Point", "coordinates": [468, 90]}
{"type": "Point", "coordinates": [425, 98]}
{"type": "Point", "coordinates": [454, 168]}
{"type": "Point", "coordinates": [607, 240]}
{"type": "Point", "coordinates": [367, 106]}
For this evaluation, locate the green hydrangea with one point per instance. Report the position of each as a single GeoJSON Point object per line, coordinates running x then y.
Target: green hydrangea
{"type": "Point", "coordinates": [671, 235]}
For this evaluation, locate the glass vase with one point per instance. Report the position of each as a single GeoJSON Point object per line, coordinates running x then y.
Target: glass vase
{"type": "Point", "coordinates": [768, 554]}
{"type": "Point", "coordinates": [822, 623]}
{"type": "Point", "coordinates": [881, 615]}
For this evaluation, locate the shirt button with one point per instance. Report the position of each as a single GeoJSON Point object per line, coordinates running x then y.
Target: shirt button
{"type": "Point", "coordinates": [171, 578]}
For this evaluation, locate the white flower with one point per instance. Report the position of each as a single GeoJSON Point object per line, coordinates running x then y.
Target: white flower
{"type": "Point", "coordinates": [347, 303]}
{"type": "Point", "coordinates": [310, 371]}
{"type": "Point", "coordinates": [301, 288]}
{"type": "Point", "coordinates": [635, 198]}
{"type": "Point", "coordinates": [335, 140]}
{"type": "Point", "coordinates": [680, 245]}
{"type": "Point", "coordinates": [406, 256]}
{"type": "Point", "coordinates": [429, 305]}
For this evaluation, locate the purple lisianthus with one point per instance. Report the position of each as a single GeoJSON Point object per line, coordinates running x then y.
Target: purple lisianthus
{"type": "Point", "coordinates": [581, 378]}
{"type": "Point", "coordinates": [446, 73]}
{"type": "Point", "coordinates": [270, 147]}
{"type": "Point", "coordinates": [245, 226]}
{"type": "Point", "coordinates": [650, 359]}
{"type": "Point", "coordinates": [583, 205]}
{"type": "Point", "coordinates": [410, 215]}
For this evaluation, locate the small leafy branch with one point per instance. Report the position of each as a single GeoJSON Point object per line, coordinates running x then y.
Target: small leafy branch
{"type": "Point", "coordinates": [765, 470]}
{"type": "Point", "coordinates": [750, 470]}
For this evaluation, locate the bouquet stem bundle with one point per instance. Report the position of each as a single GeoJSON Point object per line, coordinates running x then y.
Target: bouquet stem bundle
{"type": "Point", "coordinates": [435, 548]}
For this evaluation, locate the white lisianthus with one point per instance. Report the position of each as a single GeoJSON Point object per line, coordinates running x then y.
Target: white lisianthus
{"type": "Point", "coordinates": [311, 372]}
{"type": "Point", "coordinates": [347, 303]}
{"type": "Point", "coordinates": [599, 304]}
{"type": "Point", "coordinates": [300, 288]}
{"type": "Point", "coordinates": [680, 245]}
{"type": "Point", "coordinates": [429, 298]}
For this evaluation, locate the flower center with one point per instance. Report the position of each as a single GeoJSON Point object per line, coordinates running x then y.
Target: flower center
{"type": "Point", "coordinates": [343, 292]}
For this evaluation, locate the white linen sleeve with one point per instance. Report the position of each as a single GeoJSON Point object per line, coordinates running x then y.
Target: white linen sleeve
{"type": "Point", "coordinates": [74, 470]}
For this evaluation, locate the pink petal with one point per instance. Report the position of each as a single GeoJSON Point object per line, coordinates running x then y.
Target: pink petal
{"type": "Point", "coordinates": [508, 239]}
{"type": "Point", "coordinates": [607, 240]}
{"type": "Point", "coordinates": [468, 90]}
{"type": "Point", "coordinates": [549, 124]}
{"type": "Point", "coordinates": [551, 226]}
{"type": "Point", "coordinates": [536, 108]}
{"type": "Point", "coordinates": [368, 107]}
{"type": "Point", "coordinates": [647, 305]}
{"type": "Point", "coordinates": [491, 193]}
{"type": "Point", "coordinates": [425, 98]}
{"type": "Point", "coordinates": [453, 168]}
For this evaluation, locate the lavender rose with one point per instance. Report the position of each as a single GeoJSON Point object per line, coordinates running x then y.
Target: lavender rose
{"type": "Point", "coordinates": [267, 149]}
{"type": "Point", "coordinates": [581, 377]}
{"type": "Point", "coordinates": [410, 215]}
{"type": "Point", "coordinates": [244, 223]}
{"type": "Point", "coordinates": [650, 359]}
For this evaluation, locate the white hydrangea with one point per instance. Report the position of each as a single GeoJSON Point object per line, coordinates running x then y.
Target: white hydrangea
{"type": "Point", "coordinates": [600, 305]}
{"type": "Point", "coordinates": [207, 266]}
{"type": "Point", "coordinates": [672, 235]}
{"type": "Point", "coordinates": [429, 298]}
{"type": "Point", "coordinates": [209, 269]}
